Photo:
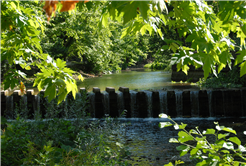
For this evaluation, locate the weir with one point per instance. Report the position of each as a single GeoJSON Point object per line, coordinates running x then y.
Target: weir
{"type": "Point", "coordinates": [137, 104]}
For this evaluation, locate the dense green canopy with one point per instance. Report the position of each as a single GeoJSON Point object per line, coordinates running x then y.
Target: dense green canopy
{"type": "Point", "coordinates": [210, 35]}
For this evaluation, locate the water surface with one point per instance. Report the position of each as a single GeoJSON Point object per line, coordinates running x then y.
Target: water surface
{"type": "Point", "coordinates": [143, 79]}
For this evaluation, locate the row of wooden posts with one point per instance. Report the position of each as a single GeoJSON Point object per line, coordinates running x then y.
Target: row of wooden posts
{"type": "Point", "coordinates": [140, 104]}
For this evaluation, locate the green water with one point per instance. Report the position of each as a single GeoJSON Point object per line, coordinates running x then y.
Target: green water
{"type": "Point", "coordinates": [136, 79]}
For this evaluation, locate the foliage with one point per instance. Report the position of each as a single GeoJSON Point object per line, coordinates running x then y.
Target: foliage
{"type": "Point", "coordinates": [230, 79]}
{"type": "Point", "coordinates": [20, 44]}
{"type": "Point", "coordinates": [159, 65]}
{"type": "Point", "coordinates": [205, 27]}
{"type": "Point", "coordinates": [94, 49]}
{"type": "Point", "coordinates": [222, 149]}
{"type": "Point", "coordinates": [206, 33]}
{"type": "Point", "coordinates": [62, 142]}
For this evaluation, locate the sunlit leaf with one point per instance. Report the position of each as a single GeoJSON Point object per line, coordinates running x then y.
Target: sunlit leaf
{"type": "Point", "coordinates": [80, 77]}
{"type": "Point", "coordinates": [173, 140]}
{"type": "Point", "coordinates": [235, 140]}
{"type": "Point", "coordinates": [228, 145]}
{"type": "Point", "coordinates": [209, 131]}
{"type": "Point", "coordinates": [165, 124]}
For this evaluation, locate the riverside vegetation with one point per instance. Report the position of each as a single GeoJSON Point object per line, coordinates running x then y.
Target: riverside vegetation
{"type": "Point", "coordinates": [105, 36]}
{"type": "Point", "coordinates": [57, 141]}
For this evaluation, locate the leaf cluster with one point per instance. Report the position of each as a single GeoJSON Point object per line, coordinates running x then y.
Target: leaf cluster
{"type": "Point", "coordinates": [224, 149]}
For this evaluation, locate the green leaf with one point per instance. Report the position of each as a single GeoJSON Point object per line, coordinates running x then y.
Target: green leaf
{"type": "Point", "coordinates": [228, 129]}
{"type": "Point", "coordinates": [202, 163]}
{"type": "Point", "coordinates": [130, 14]}
{"type": "Point", "coordinates": [184, 137]}
{"type": "Point", "coordinates": [169, 164]}
{"type": "Point", "coordinates": [105, 19]}
{"type": "Point", "coordinates": [182, 126]}
{"type": "Point", "coordinates": [243, 69]}
{"type": "Point", "coordinates": [60, 63]}
{"type": "Point", "coordinates": [209, 131]}
{"type": "Point", "coordinates": [225, 151]}
{"type": "Point", "coordinates": [143, 7]}
{"type": "Point", "coordinates": [185, 69]}
{"type": "Point", "coordinates": [184, 149]}
{"type": "Point", "coordinates": [241, 56]}
{"type": "Point", "coordinates": [235, 140]}
{"type": "Point", "coordinates": [62, 97]}
{"type": "Point", "coordinates": [223, 135]}
{"type": "Point", "coordinates": [193, 151]}
{"type": "Point", "coordinates": [179, 162]}
{"type": "Point", "coordinates": [50, 92]}
{"type": "Point", "coordinates": [192, 131]}
{"type": "Point", "coordinates": [143, 30]}
{"type": "Point", "coordinates": [80, 77]}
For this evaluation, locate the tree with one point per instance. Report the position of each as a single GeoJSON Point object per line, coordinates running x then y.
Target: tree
{"type": "Point", "coordinates": [20, 44]}
{"type": "Point", "coordinates": [205, 27]}
{"type": "Point", "coordinates": [78, 39]}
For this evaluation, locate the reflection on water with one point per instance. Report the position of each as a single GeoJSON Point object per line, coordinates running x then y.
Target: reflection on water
{"type": "Point", "coordinates": [139, 79]}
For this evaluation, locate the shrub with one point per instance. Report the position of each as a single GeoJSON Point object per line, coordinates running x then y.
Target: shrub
{"type": "Point", "coordinates": [62, 142]}
{"type": "Point", "coordinates": [224, 149]}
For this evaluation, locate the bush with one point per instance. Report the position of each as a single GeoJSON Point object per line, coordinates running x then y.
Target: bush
{"type": "Point", "coordinates": [230, 79]}
{"type": "Point", "coordinates": [62, 142]}
{"type": "Point", "coordinates": [222, 150]}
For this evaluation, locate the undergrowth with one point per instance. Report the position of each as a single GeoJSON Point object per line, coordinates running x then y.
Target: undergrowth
{"type": "Point", "coordinates": [230, 79]}
{"type": "Point", "coordinates": [59, 141]}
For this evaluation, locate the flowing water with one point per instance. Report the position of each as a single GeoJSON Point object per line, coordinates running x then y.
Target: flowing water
{"type": "Point", "coordinates": [149, 101]}
{"type": "Point", "coordinates": [106, 103]}
{"type": "Point", "coordinates": [149, 144]}
{"type": "Point", "coordinates": [163, 101]}
{"type": "Point", "coordinates": [194, 98]}
{"type": "Point", "coordinates": [179, 103]}
{"type": "Point", "coordinates": [133, 95]}
{"type": "Point", "coordinates": [120, 102]}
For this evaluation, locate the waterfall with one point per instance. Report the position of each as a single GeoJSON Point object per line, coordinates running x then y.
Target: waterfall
{"type": "Point", "coordinates": [23, 106]}
{"type": "Point", "coordinates": [133, 95]}
{"type": "Point", "coordinates": [210, 92]}
{"type": "Point", "coordinates": [194, 99]}
{"type": "Point", "coordinates": [92, 104]}
{"type": "Point", "coordinates": [179, 103]}
{"type": "Point", "coordinates": [36, 107]}
{"type": "Point", "coordinates": [105, 101]}
{"type": "Point", "coordinates": [149, 103]}
{"type": "Point", "coordinates": [9, 107]}
{"type": "Point", "coordinates": [120, 102]}
{"type": "Point", "coordinates": [163, 102]}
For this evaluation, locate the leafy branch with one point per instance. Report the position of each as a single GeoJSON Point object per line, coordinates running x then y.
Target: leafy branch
{"type": "Point", "coordinates": [220, 151]}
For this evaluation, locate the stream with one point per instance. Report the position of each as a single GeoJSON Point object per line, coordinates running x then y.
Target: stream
{"type": "Point", "coordinates": [140, 79]}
